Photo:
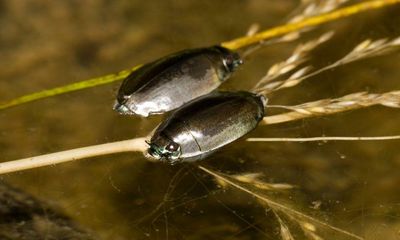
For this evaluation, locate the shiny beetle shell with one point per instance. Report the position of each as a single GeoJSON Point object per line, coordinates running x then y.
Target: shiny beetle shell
{"type": "Point", "coordinates": [206, 124]}
{"type": "Point", "coordinates": [169, 82]}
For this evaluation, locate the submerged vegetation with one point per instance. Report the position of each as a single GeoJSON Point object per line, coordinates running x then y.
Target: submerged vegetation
{"type": "Point", "coordinates": [276, 209]}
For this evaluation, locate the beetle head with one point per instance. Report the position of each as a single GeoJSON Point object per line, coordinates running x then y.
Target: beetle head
{"type": "Point", "coordinates": [121, 104]}
{"type": "Point", "coordinates": [129, 106]}
{"type": "Point", "coordinates": [121, 108]}
{"type": "Point", "coordinates": [228, 62]}
{"type": "Point", "coordinates": [164, 149]}
{"type": "Point", "coordinates": [232, 61]}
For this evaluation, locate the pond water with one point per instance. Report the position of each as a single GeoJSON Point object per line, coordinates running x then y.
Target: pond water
{"type": "Point", "coordinates": [350, 185]}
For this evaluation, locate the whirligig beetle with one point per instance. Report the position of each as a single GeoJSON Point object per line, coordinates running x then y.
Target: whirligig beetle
{"type": "Point", "coordinates": [205, 124]}
{"type": "Point", "coordinates": [170, 82]}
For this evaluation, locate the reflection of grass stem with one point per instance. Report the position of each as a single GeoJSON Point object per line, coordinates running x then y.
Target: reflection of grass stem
{"type": "Point", "coordinates": [233, 44]}
{"type": "Point", "coordinates": [276, 205]}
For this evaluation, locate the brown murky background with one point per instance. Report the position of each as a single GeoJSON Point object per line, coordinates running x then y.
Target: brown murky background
{"type": "Point", "coordinates": [45, 44]}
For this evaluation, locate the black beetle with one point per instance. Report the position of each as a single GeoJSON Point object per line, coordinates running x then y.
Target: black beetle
{"type": "Point", "coordinates": [206, 124]}
{"type": "Point", "coordinates": [171, 81]}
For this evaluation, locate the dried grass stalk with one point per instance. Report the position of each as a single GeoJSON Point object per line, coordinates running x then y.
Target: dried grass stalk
{"type": "Point", "coordinates": [366, 49]}
{"type": "Point", "coordinates": [253, 29]}
{"type": "Point", "coordinates": [310, 8]}
{"type": "Point", "coordinates": [299, 56]}
{"type": "Point", "coordinates": [331, 106]}
{"type": "Point", "coordinates": [306, 23]}
{"type": "Point", "coordinates": [307, 9]}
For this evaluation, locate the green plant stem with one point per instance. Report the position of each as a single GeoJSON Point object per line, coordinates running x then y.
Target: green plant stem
{"type": "Point", "coordinates": [233, 44]}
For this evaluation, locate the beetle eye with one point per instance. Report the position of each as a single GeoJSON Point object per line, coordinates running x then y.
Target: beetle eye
{"type": "Point", "coordinates": [172, 147]}
{"type": "Point", "coordinates": [229, 60]}
{"type": "Point", "coordinates": [232, 61]}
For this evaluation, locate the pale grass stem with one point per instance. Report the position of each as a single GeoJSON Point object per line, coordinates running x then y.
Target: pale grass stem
{"type": "Point", "coordinates": [132, 145]}
{"type": "Point", "coordinates": [316, 139]}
